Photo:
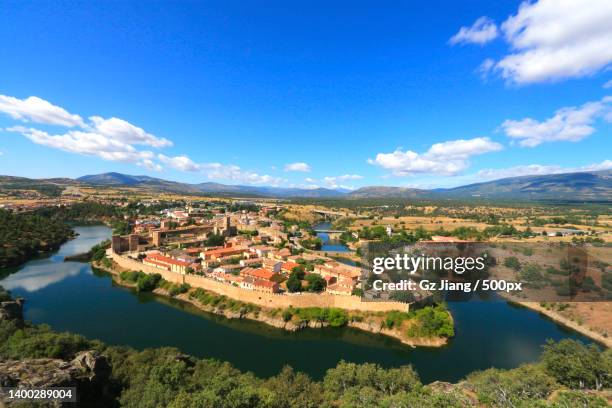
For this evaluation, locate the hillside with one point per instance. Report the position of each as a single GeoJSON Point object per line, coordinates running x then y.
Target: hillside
{"type": "Point", "coordinates": [386, 191]}
{"type": "Point", "coordinates": [118, 179]}
{"type": "Point", "coordinates": [588, 186]}
{"type": "Point", "coordinates": [585, 186]}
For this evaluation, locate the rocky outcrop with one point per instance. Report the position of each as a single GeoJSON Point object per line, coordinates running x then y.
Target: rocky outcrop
{"type": "Point", "coordinates": [88, 372]}
{"type": "Point", "coordinates": [459, 390]}
{"type": "Point", "coordinates": [12, 310]}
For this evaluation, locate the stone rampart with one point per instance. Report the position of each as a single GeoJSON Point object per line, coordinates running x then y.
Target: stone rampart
{"type": "Point", "coordinates": [264, 299]}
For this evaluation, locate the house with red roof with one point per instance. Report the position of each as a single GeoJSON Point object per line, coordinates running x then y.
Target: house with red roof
{"type": "Point", "coordinates": [287, 267]}
{"type": "Point", "coordinates": [160, 261]}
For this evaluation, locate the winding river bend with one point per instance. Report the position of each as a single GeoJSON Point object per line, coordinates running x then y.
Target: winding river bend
{"type": "Point", "coordinates": [70, 296]}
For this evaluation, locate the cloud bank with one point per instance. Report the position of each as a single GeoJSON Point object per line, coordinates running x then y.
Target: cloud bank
{"type": "Point", "coordinates": [445, 159]}
{"type": "Point", "coordinates": [548, 40]}
{"type": "Point", "coordinates": [570, 124]}
{"type": "Point", "coordinates": [112, 139]}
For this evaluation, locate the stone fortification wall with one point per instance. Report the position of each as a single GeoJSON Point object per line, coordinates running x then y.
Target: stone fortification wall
{"type": "Point", "coordinates": [262, 298]}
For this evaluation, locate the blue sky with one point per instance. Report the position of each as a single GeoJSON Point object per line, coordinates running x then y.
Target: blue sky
{"type": "Point", "coordinates": [306, 94]}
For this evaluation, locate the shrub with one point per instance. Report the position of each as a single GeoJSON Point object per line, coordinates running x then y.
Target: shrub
{"type": "Point", "coordinates": [395, 319]}
{"type": "Point", "coordinates": [512, 262]}
{"type": "Point", "coordinates": [287, 315]}
{"type": "Point", "coordinates": [147, 283]}
{"type": "Point", "coordinates": [130, 276]}
{"type": "Point", "coordinates": [432, 321]}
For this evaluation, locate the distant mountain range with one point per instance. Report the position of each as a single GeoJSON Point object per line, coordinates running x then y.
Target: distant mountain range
{"type": "Point", "coordinates": [590, 186]}
{"type": "Point", "coordinates": [583, 186]}
{"type": "Point", "coordinates": [118, 179]}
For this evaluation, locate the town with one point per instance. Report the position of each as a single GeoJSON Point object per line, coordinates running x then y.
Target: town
{"type": "Point", "coordinates": [247, 248]}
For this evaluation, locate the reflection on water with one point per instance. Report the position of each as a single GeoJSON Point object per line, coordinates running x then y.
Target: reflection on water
{"type": "Point", "coordinates": [71, 297]}
{"type": "Point", "coordinates": [88, 237]}
{"type": "Point", "coordinates": [36, 276]}
{"type": "Point", "coordinates": [40, 273]}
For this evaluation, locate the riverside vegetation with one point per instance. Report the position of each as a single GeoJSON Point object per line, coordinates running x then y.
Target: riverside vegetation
{"type": "Point", "coordinates": [568, 374]}
{"type": "Point", "coordinates": [24, 236]}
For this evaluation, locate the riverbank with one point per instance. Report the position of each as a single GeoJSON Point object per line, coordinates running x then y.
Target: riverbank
{"type": "Point", "coordinates": [278, 318]}
{"type": "Point", "coordinates": [564, 321]}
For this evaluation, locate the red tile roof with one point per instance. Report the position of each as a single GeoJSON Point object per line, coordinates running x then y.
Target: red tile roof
{"type": "Point", "coordinates": [158, 258]}
{"type": "Point", "coordinates": [288, 266]}
{"type": "Point", "coordinates": [154, 262]}
{"type": "Point", "coordinates": [264, 283]}
{"type": "Point", "coordinates": [257, 273]}
{"type": "Point", "coordinates": [223, 251]}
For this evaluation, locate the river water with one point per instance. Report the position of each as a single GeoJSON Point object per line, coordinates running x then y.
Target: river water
{"type": "Point", "coordinates": [70, 296]}
{"type": "Point", "coordinates": [328, 243]}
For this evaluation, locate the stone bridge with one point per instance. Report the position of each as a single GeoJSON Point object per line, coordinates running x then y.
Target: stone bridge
{"type": "Point", "coordinates": [333, 234]}
{"type": "Point", "coordinates": [329, 214]}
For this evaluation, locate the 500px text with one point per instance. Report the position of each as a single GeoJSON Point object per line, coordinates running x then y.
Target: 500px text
{"type": "Point", "coordinates": [446, 285]}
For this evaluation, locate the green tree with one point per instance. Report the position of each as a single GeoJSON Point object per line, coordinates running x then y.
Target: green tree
{"type": "Point", "coordinates": [214, 240]}
{"type": "Point", "coordinates": [503, 388]}
{"type": "Point", "coordinates": [316, 283]}
{"type": "Point", "coordinates": [576, 365]}
{"type": "Point", "coordinates": [294, 284]}
{"type": "Point", "coordinates": [299, 271]}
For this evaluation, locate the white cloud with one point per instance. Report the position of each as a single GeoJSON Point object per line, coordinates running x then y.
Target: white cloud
{"type": "Point", "coordinates": [447, 159]}
{"type": "Point", "coordinates": [115, 139]}
{"type": "Point", "coordinates": [34, 109]}
{"type": "Point", "coordinates": [110, 139]}
{"type": "Point", "coordinates": [557, 39]}
{"type": "Point", "coordinates": [349, 177]}
{"type": "Point", "coordinates": [182, 162]}
{"type": "Point", "coordinates": [604, 165]}
{"type": "Point", "coordinates": [87, 143]}
{"type": "Point", "coordinates": [608, 84]}
{"type": "Point", "coordinates": [481, 32]}
{"type": "Point", "coordinates": [218, 171]}
{"type": "Point", "coordinates": [538, 169]}
{"type": "Point", "coordinates": [119, 129]}
{"type": "Point", "coordinates": [299, 166]}
{"type": "Point", "coordinates": [486, 67]}
{"type": "Point", "coordinates": [568, 124]}
{"type": "Point", "coordinates": [310, 180]}
{"type": "Point", "coordinates": [336, 181]}
{"type": "Point", "coordinates": [150, 165]}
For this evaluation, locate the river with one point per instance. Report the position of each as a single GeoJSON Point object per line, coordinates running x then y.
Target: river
{"type": "Point", "coordinates": [329, 245]}
{"type": "Point", "coordinates": [70, 296]}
